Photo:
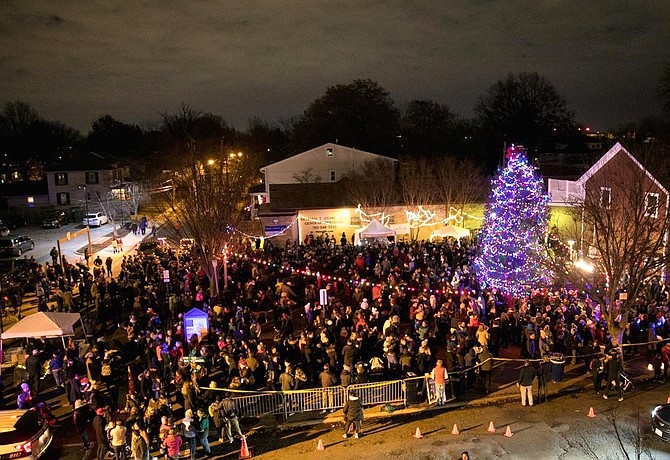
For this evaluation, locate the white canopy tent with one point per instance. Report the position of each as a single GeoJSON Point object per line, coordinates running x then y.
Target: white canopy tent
{"type": "Point", "coordinates": [43, 324]}
{"type": "Point", "coordinates": [450, 230]}
{"type": "Point", "coordinates": [374, 229]}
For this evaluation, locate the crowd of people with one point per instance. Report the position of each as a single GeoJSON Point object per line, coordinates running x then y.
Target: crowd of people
{"type": "Point", "coordinates": [392, 311]}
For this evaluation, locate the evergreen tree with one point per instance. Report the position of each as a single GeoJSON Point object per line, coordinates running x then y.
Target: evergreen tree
{"type": "Point", "coordinates": [511, 254]}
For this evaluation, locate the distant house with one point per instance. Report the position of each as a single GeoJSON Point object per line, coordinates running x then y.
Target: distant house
{"type": "Point", "coordinates": [615, 180]}
{"type": "Point", "coordinates": [328, 163]}
{"type": "Point", "coordinates": [24, 195]}
{"type": "Point", "coordinates": [311, 180]}
{"type": "Point", "coordinates": [83, 179]}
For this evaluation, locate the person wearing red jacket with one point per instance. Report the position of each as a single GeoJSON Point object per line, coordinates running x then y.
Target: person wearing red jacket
{"type": "Point", "coordinates": [172, 444]}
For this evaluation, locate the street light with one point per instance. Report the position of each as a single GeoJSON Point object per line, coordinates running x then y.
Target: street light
{"type": "Point", "coordinates": [571, 243]}
{"type": "Point", "coordinates": [85, 202]}
{"type": "Point", "coordinates": [215, 263]}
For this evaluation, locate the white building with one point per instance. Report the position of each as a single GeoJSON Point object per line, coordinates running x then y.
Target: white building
{"type": "Point", "coordinates": [323, 164]}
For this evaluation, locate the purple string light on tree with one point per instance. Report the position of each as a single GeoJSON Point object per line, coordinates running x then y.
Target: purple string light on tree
{"type": "Point", "coordinates": [511, 255]}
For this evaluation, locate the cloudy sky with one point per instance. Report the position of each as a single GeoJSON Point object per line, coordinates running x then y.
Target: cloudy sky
{"type": "Point", "coordinates": [76, 60]}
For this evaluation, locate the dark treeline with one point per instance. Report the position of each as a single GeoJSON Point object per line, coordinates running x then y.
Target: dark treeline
{"type": "Point", "coordinates": [522, 108]}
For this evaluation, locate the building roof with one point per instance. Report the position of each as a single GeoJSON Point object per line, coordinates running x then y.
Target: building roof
{"type": "Point", "coordinates": [362, 153]}
{"type": "Point", "coordinates": [291, 197]}
{"type": "Point", "coordinates": [25, 188]}
{"type": "Point", "coordinates": [85, 162]}
{"type": "Point", "coordinates": [618, 148]}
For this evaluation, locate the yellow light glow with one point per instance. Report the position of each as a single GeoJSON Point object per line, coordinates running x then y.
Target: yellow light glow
{"type": "Point", "coordinates": [584, 266]}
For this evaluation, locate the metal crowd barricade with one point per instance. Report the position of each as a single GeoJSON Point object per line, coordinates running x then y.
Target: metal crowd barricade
{"type": "Point", "coordinates": [380, 392]}
{"type": "Point", "coordinates": [260, 403]}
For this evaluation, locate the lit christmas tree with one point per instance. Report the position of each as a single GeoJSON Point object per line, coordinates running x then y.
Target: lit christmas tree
{"type": "Point", "coordinates": [511, 255]}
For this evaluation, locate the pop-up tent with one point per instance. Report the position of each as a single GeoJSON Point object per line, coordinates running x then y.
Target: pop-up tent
{"type": "Point", "coordinates": [375, 229]}
{"type": "Point", "coordinates": [43, 324]}
{"type": "Point", "coordinates": [450, 230]}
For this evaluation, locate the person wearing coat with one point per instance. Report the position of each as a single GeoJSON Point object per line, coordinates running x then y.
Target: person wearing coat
{"type": "Point", "coordinates": [353, 414]}
{"type": "Point", "coordinates": [612, 369]}
{"type": "Point", "coordinates": [138, 446]}
{"type": "Point", "coordinates": [34, 370]}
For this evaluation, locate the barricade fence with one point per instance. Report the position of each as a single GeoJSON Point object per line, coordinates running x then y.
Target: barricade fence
{"type": "Point", "coordinates": [260, 403]}
{"type": "Point", "coordinates": [286, 403]}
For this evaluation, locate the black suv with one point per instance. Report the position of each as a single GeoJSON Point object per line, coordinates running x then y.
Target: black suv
{"type": "Point", "coordinates": [55, 220]}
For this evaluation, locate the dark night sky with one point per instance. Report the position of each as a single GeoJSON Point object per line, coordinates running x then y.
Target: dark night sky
{"type": "Point", "coordinates": [76, 60]}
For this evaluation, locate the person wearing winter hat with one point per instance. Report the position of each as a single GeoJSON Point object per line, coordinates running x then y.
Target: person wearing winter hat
{"type": "Point", "coordinates": [190, 432]}
{"type": "Point", "coordinates": [99, 423]}
{"type": "Point", "coordinates": [34, 370]}
{"type": "Point", "coordinates": [25, 399]}
{"type": "Point", "coordinates": [353, 413]}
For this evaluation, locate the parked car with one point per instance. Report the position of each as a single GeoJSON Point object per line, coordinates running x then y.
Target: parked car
{"type": "Point", "coordinates": [660, 421]}
{"type": "Point", "coordinates": [148, 247]}
{"type": "Point", "coordinates": [4, 232]}
{"type": "Point", "coordinates": [23, 434]}
{"type": "Point", "coordinates": [95, 219]}
{"type": "Point", "coordinates": [15, 246]}
{"type": "Point", "coordinates": [55, 220]}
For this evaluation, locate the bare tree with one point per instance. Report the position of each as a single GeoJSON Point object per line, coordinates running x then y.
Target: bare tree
{"type": "Point", "coordinates": [622, 224]}
{"type": "Point", "coordinates": [458, 182]}
{"type": "Point", "coordinates": [134, 195]}
{"type": "Point", "coordinates": [372, 185]}
{"type": "Point", "coordinates": [307, 176]}
{"type": "Point", "coordinates": [418, 188]}
{"type": "Point", "coordinates": [207, 204]}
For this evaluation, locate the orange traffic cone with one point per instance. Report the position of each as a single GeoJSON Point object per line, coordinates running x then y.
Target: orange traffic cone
{"type": "Point", "coordinates": [319, 446]}
{"type": "Point", "coordinates": [418, 434]}
{"type": "Point", "coordinates": [454, 430]}
{"type": "Point", "coordinates": [244, 450]}
{"type": "Point", "coordinates": [508, 432]}
{"type": "Point", "coordinates": [491, 428]}
{"type": "Point", "coordinates": [591, 413]}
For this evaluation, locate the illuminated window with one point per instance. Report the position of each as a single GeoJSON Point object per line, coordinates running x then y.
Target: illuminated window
{"type": "Point", "coordinates": [605, 197]}
{"type": "Point", "coordinates": [60, 178]}
{"type": "Point", "coordinates": [329, 152]}
{"type": "Point", "coordinates": [651, 205]}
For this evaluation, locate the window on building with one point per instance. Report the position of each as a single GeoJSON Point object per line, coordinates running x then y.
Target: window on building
{"type": "Point", "coordinates": [329, 152]}
{"type": "Point", "coordinates": [605, 197]}
{"type": "Point", "coordinates": [63, 198]}
{"type": "Point", "coordinates": [92, 178]}
{"type": "Point", "coordinates": [332, 176]}
{"type": "Point", "coordinates": [60, 178]}
{"type": "Point", "coordinates": [651, 205]}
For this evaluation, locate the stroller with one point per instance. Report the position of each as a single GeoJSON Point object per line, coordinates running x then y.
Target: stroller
{"type": "Point", "coordinates": [625, 382]}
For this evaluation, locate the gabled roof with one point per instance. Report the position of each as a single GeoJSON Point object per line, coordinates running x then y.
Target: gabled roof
{"type": "Point", "coordinates": [372, 156]}
{"type": "Point", "coordinates": [617, 148]}
{"type": "Point", "coordinates": [85, 162]}
{"type": "Point", "coordinates": [291, 197]}
{"type": "Point", "coordinates": [25, 188]}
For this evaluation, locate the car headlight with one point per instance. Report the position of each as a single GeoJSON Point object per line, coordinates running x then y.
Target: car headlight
{"type": "Point", "coordinates": [653, 413]}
